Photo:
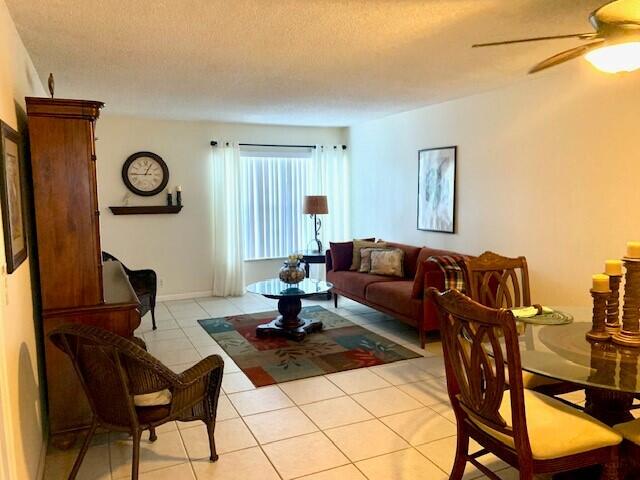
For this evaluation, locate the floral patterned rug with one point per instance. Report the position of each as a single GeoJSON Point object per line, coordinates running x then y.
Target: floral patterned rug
{"type": "Point", "coordinates": [341, 345]}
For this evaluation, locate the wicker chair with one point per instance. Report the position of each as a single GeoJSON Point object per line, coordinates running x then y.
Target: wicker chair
{"type": "Point", "coordinates": [144, 283]}
{"type": "Point", "coordinates": [130, 391]}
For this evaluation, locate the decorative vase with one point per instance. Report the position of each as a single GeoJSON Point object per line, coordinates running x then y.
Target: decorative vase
{"type": "Point", "coordinates": [292, 272]}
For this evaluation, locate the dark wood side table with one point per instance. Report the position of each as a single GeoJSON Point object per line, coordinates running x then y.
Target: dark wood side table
{"type": "Point", "coordinates": [316, 257]}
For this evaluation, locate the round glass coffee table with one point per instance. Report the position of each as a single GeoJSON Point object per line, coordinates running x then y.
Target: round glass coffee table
{"type": "Point", "coordinates": [289, 297]}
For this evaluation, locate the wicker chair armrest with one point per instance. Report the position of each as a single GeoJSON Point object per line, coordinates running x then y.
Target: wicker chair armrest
{"type": "Point", "coordinates": [201, 369]}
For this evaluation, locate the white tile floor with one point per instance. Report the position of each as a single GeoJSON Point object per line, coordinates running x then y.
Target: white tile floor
{"type": "Point", "coordinates": [390, 422]}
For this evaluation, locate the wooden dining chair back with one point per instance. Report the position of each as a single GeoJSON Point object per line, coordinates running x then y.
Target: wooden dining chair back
{"type": "Point", "coordinates": [482, 361]}
{"type": "Point", "coordinates": [499, 282]}
{"type": "Point", "coordinates": [485, 387]}
{"type": "Point", "coordinates": [128, 390]}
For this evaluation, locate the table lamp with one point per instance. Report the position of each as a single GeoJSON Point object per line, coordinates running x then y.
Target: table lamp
{"type": "Point", "coordinates": [315, 205]}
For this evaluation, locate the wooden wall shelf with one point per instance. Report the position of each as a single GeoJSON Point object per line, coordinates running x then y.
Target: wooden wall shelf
{"type": "Point", "coordinates": [146, 210]}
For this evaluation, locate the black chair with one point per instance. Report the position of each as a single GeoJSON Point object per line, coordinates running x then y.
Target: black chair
{"type": "Point", "coordinates": [144, 283]}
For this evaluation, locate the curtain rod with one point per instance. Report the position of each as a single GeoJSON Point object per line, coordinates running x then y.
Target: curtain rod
{"type": "Point", "coordinates": [215, 143]}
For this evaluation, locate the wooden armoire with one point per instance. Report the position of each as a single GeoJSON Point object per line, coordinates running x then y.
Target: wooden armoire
{"type": "Point", "coordinates": [75, 286]}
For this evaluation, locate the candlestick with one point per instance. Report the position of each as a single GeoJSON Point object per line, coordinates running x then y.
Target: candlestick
{"type": "Point", "coordinates": [598, 330]}
{"type": "Point", "coordinates": [169, 198]}
{"type": "Point", "coordinates": [613, 305]}
{"type": "Point", "coordinates": [600, 282]}
{"type": "Point", "coordinates": [629, 333]}
{"type": "Point", "coordinates": [633, 249]}
{"type": "Point", "coordinates": [178, 197]}
{"type": "Point", "coordinates": [613, 267]}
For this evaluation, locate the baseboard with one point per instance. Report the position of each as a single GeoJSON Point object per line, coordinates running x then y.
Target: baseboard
{"type": "Point", "coordinates": [42, 460]}
{"type": "Point", "coordinates": [183, 296]}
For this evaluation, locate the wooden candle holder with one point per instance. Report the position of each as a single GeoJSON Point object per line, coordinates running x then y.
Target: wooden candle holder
{"type": "Point", "coordinates": [613, 305]}
{"type": "Point", "coordinates": [629, 333]}
{"type": "Point", "coordinates": [598, 330]}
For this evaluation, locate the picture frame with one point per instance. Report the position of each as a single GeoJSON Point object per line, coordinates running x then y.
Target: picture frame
{"type": "Point", "coordinates": [437, 189]}
{"type": "Point", "coordinates": [12, 197]}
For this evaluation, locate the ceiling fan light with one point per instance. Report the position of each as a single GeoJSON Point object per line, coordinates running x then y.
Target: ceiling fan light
{"type": "Point", "coordinates": [621, 57]}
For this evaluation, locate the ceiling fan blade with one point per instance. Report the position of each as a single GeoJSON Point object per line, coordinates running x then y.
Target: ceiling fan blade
{"type": "Point", "coordinates": [565, 56]}
{"type": "Point", "coordinates": [584, 36]}
{"type": "Point", "coordinates": [618, 12]}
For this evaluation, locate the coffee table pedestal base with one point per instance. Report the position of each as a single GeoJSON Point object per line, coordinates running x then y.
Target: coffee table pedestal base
{"type": "Point", "coordinates": [288, 324]}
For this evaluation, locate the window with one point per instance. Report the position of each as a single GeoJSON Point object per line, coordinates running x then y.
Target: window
{"type": "Point", "coordinates": [274, 184]}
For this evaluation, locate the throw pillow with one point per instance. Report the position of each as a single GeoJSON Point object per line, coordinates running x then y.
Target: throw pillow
{"type": "Point", "coordinates": [359, 245]}
{"type": "Point", "coordinates": [387, 262]}
{"type": "Point", "coordinates": [365, 258]}
{"type": "Point", "coordinates": [341, 255]}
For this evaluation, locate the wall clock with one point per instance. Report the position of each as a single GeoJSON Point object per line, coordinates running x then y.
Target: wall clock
{"type": "Point", "coordinates": [145, 173]}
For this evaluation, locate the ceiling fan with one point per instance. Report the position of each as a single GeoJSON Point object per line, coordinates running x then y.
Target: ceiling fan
{"type": "Point", "coordinates": [614, 46]}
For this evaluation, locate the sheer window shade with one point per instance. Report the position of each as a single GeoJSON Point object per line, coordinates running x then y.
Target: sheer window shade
{"type": "Point", "coordinates": [275, 182]}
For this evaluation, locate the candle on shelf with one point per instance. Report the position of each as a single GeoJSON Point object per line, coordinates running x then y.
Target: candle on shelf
{"type": "Point", "coordinates": [613, 267]}
{"type": "Point", "coordinates": [179, 188]}
{"type": "Point", "coordinates": [633, 249]}
{"type": "Point", "coordinates": [600, 282]}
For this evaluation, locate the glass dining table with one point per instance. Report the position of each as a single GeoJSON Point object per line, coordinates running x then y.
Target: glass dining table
{"type": "Point", "coordinates": [610, 373]}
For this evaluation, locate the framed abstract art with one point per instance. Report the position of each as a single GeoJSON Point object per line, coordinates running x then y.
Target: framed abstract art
{"type": "Point", "coordinates": [437, 189]}
{"type": "Point", "coordinates": [11, 198]}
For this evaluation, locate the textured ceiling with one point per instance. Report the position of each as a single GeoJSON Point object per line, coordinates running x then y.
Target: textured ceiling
{"type": "Point", "coordinates": [304, 62]}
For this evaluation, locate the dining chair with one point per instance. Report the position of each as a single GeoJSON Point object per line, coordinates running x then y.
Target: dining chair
{"type": "Point", "coordinates": [128, 390]}
{"type": "Point", "coordinates": [530, 431]}
{"type": "Point", "coordinates": [144, 283]}
{"type": "Point", "coordinates": [630, 448]}
{"type": "Point", "coordinates": [502, 282]}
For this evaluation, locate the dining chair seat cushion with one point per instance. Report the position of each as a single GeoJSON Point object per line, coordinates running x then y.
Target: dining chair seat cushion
{"type": "Point", "coordinates": [154, 399]}
{"type": "Point", "coordinates": [630, 430]}
{"type": "Point", "coordinates": [533, 381]}
{"type": "Point", "coordinates": [555, 429]}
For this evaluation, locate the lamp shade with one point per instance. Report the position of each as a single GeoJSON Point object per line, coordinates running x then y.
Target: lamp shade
{"type": "Point", "coordinates": [315, 205]}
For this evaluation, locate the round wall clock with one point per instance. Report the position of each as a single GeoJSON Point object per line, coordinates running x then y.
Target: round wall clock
{"type": "Point", "coordinates": [145, 173]}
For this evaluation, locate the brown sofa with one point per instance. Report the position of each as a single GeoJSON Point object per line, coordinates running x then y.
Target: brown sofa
{"type": "Point", "coordinates": [401, 298]}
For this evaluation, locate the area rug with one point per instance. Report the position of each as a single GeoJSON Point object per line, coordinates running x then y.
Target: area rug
{"type": "Point", "coordinates": [341, 345]}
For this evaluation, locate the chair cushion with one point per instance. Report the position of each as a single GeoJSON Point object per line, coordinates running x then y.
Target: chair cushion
{"type": "Point", "coordinates": [533, 381]}
{"type": "Point", "coordinates": [630, 430]}
{"type": "Point", "coordinates": [356, 283]}
{"type": "Point", "coordinates": [555, 429]}
{"type": "Point", "coordinates": [396, 296]}
{"type": "Point", "coordinates": [154, 399]}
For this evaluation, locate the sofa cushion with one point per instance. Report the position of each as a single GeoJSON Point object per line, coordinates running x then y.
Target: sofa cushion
{"type": "Point", "coordinates": [411, 254]}
{"type": "Point", "coordinates": [341, 255]}
{"type": "Point", "coordinates": [358, 245]}
{"type": "Point", "coordinates": [396, 296]}
{"type": "Point", "coordinates": [423, 266]}
{"type": "Point", "coordinates": [387, 262]}
{"type": "Point", "coordinates": [356, 283]}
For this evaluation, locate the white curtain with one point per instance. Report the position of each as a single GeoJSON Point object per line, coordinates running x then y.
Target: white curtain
{"type": "Point", "coordinates": [228, 266]}
{"type": "Point", "coordinates": [331, 178]}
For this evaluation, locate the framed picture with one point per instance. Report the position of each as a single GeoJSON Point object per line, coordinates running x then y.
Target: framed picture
{"type": "Point", "coordinates": [437, 189]}
{"type": "Point", "coordinates": [11, 201]}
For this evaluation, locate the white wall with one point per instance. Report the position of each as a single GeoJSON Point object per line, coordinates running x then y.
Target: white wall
{"type": "Point", "coordinates": [548, 168]}
{"type": "Point", "coordinates": [178, 246]}
{"type": "Point", "coordinates": [21, 429]}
